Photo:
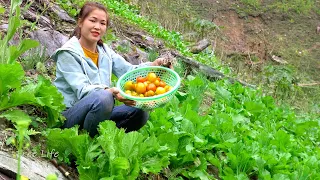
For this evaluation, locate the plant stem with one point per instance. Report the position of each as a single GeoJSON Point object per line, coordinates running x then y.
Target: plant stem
{"type": "Point", "coordinates": [21, 132]}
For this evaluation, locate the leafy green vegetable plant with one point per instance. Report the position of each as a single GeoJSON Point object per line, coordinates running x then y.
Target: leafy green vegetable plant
{"type": "Point", "coordinates": [12, 90]}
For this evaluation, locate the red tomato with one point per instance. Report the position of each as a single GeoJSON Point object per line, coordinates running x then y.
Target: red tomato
{"type": "Point", "coordinates": [141, 79]}
{"type": "Point", "coordinates": [162, 84]}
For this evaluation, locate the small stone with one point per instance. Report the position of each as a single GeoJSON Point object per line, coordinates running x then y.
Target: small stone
{"type": "Point", "coordinates": [4, 26]}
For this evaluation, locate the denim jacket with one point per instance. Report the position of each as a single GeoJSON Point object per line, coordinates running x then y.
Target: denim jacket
{"type": "Point", "coordinates": [77, 75]}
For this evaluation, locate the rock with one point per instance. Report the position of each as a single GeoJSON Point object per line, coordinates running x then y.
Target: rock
{"type": "Point", "coordinates": [132, 58]}
{"type": "Point", "coordinates": [50, 39]}
{"type": "Point", "coordinates": [278, 59]}
{"type": "Point", "coordinates": [318, 29]}
{"type": "Point", "coordinates": [33, 169]}
{"type": "Point", "coordinates": [4, 26]}
{"type": "Point", "coordinates": [142, 55]}
{"type": "Point", "coordinates": [63, 15]}
{"type": "Point", "coordinates": [43, 21]}
{"type": "Point", "coordinates": [145, 41]}
{"type": "Point", "coordinates": [200, 46]}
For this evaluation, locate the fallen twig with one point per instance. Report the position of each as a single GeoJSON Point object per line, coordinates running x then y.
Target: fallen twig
{"type": "Point", "coordinates": [309, 84]}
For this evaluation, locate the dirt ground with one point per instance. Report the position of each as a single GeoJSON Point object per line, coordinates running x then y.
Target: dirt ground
{"type": "Point", "coordinates": [257, 36]}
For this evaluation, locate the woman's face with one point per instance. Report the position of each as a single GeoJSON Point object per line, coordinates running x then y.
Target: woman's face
{"type": "Point", "coordinates": [94, 26]}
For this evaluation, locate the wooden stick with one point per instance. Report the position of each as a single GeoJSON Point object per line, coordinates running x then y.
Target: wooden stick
{"type": "Point", "coordinates": [309, 84]}
{"type": "Point", "coordinates": [209, 71]}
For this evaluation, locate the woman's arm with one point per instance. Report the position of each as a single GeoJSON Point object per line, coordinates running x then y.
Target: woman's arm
{"type": "Point", "coordinates": [73, 73]}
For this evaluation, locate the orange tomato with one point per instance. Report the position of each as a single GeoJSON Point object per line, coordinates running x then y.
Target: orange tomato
{"type": "Point", "coordinates": [151, 87]}
{"type": "Point", "coordinates": [141, 79]}
{"type": "Point", "coordinates": [160, 90]}
{"type": "Point", "coordinates": [133, 87]}
{"type": "Point", "coordinates": [162, 84]}
{"type": "Point", "coordinates": [151, 77]}
{"type": "Point", "coordinates": [141, 88]}
{"type": "Point", "coordinates": [150, 93]}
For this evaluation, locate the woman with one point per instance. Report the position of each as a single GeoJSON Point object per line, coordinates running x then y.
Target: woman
{"type": "Point", "coordinates": [83, 76]}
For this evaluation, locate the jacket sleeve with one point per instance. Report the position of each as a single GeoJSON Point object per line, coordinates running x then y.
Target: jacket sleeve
{"type": "Point", "coordinates": [121, 66]}
{"type": "Point", "coordinates": [73, 73]}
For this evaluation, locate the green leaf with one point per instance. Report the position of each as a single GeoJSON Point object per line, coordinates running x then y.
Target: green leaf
{"type": "Point", "coordinates": [154, 164]}
{"type": "Point", "coordinates": [108, 178]}
{"type": "Point", "coordinates": [2, 9]}
{"type": "Point", "coordinates": [281, 140]}
{"type": "Point", "coordinates": [57, 140]}
{"type": "Point", "coordinates": [181, 96]}
{"type": "Point", "coordinates": [11, 76]}
{"type": "Point", "coordinates": [280, 177]}
{"type": "Point", "coordinates": [24, 46]}
{"type": "Point", "coordinates": [108, 136]}
{"type": "Point", "coordinates": [129, 144]}
{"type": "Point", "coordinates": [18, 117]}
{"type": "Point", "coordinates": [14, 4]}
{"type": "Point", "coordinates": [255, 108]}
{"type": "Point", "coordinates": [119, 166]}
{"type": "Point", "coordinates": [88, 173]}
{"type": "Point", "coordinates": [200, 174]}
{"type": "Point", "coordinates": [223, 93]}
{"type": "Point", "coordinates": [14, 24]}
{"type": "Point", "coordinates": [22, 96]}
{"type": "Point", "coordinates": [49, 97]}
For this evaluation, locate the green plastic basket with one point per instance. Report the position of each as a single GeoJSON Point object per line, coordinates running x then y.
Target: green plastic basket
{"type": "Point", "coordinates": [167, 75]}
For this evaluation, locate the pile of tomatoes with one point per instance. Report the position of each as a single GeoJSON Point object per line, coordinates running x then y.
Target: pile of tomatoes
{"type": "Point", "coordinates": [148, 86]}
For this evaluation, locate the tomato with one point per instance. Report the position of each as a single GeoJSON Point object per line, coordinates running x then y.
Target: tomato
{"type": "Point", "coordinates": [151, 87]}
{"type": "Point", "coordinates": [128, 85]}
{"type": "Point", "coordinates": [160, 90]}
{"type": "Point", "coordinates": [146, 83]}
{"type": "Point", "coordinates": [162, 84]}
{"type": "Point", "coordinates": [151, 77]}
{"type": "Point", "coordinates": [150, 93]}
{"type": "Point", "coordinates": [134, 85]}
{"type": "Point", "coordinates": [128, 92]}
{"type": "Point", "coordinates": [167, 88]}
{"type": "Point", "coordinates": [133, 93]}
{"type": "Point", "coordinates": [141, 88]}
{"type": "Point", "coordinates": [156, 82]}
{"type": "Point", "coordinates": [141, 79]}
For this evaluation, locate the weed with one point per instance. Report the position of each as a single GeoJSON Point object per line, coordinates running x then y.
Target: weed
{"type": "Point", "coordinates": [34, 56]}
{"type": "Point", "coordinates": [152, 55]}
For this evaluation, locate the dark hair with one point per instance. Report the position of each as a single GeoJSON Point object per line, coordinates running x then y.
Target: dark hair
{"type": "Point", "coordinates": [86, 9]}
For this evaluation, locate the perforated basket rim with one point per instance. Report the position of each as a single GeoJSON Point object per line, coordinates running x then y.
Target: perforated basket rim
{"type": "Point", "coordinates": [152, 98]}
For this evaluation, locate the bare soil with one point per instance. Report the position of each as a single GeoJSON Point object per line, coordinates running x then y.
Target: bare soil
{"type": "Point", "coordinates": [257, 35]}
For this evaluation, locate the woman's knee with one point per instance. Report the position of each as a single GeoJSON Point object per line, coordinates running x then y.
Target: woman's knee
{"type": "Point", "coordinates": [140, 119]}
{"type": "Point", "coordinates": [103, 99]}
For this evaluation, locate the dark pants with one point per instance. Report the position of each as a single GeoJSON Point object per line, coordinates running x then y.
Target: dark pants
{"type": "Point", "coordinates": [99, 106]}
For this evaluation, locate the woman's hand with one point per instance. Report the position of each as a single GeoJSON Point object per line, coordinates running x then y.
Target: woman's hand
{"type": "Point", "coordinates": [161, 62]}
{"type": "Point", "coordinates": [120, 98]}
